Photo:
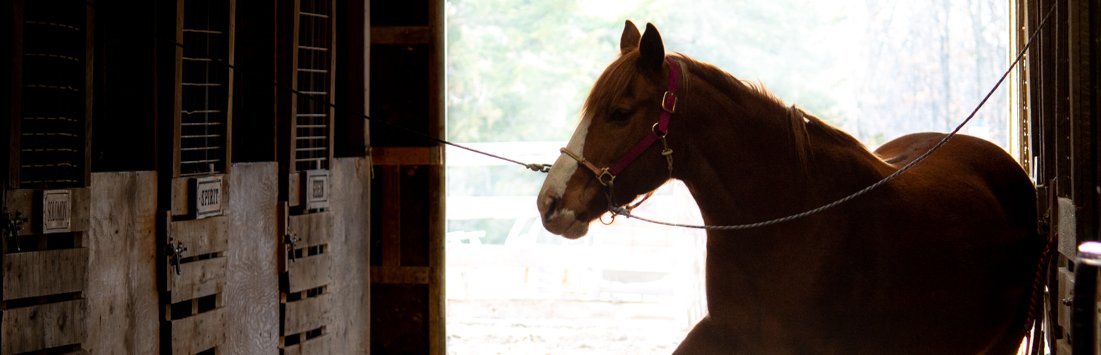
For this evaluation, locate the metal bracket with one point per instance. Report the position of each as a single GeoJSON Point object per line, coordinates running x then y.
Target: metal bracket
{"type": "Point", "coordinates": [291, 239]}
{"type": "Point", "coordinates": [12, 225]}
{"type": "Point", "coordinates": [174, 251]}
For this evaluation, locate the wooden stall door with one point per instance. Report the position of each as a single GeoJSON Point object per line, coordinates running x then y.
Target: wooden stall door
{"type": "Point", "coordinates": [305, 61]}
{"type": "Point", "coordinates": [407, 212]}
{"type": "Point", "coordinates": [46, 199]}
{"type": "Point", "coordinates": [196, 116]}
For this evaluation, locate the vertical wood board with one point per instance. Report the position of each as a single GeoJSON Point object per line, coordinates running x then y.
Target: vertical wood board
{"type": "Point", "coordinates": [43, 273]}
{"type": "Point", "coordinates": [251, 295]}
{"type": "Point", "coordinates": [350, 288]}
{"type": "Point", "coordinates": [123, 306]}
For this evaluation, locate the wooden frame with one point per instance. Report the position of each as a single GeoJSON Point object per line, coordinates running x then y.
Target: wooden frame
{"type": "Point", "coordinates": [289, 30]}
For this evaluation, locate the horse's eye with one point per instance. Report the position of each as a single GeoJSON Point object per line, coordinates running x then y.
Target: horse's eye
{"type": "Point", "coordinates": [620, 115]}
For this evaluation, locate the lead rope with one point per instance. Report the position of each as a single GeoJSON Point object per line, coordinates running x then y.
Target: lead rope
{"type": "Point", "coordinates": [616, 210]}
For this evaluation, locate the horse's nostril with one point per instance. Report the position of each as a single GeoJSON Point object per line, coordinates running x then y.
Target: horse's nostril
{"type": "Point", "coordinates": [550, 208]}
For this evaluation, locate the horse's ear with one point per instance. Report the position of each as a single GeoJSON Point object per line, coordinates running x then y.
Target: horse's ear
{"type": "Point", "coordinates": [629, 40]}
{"type": "Point", "coordinates": [651, 50]}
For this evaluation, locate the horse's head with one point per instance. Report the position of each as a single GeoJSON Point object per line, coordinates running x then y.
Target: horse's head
{"type": "Point", "coordinates": [623, 109]}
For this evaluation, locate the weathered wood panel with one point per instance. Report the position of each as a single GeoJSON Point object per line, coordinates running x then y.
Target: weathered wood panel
{"type": "Point", "coordinates": [201, 236]}
{"type": "Point", "coordinates": [23, 200]}
{"type": "Point", "coordinates": [46, 272]}
{"type": "Point", "coordinates": [42, 327]}
{"type": "Point", "coordinates": [123, 309]}
{"type": "Point", "coordinates": [312, 229]}
{"type": "Point", "coordinates": [198, 279]}
{"type": "Point", "coordinates": [309, 272]}
{"type": "Point", "coordinates": [251, 296]}
{"type": "Point", "coordinates": [316, 346]}
{"type": "Point", "coordinates": [349, 332]}
{"type": "Point", "coordinates": [306, 314]}
{"type": "Point", "coordinates": [198, 332]}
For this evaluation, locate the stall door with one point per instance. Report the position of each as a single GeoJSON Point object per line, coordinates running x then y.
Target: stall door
{"type": "Point", "coordinates": [195, 116]}
{"type": "Point", "coordinates": [46, 194]}
{"type": "Point", "coordinates": [305, 62]}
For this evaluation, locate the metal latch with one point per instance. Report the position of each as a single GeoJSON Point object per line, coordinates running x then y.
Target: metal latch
{"type": "Point", "coordinates": [292, 240]}
{"type": "Point", "coordinates": [174, 251]}
{"type": "Point", "coordinates": [12, 225]}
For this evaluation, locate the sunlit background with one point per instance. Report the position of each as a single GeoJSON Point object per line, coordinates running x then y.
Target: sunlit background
{"type": "Point", "coordinates": [518, 72]}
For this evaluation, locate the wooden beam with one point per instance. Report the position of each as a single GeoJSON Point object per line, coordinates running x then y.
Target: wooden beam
{"type": "Point", "coordinates": [399, 275]}
{"type": "Point", "coordinates": [399, 34]}
{"type": "Point", "coordinates": [312, 228]}
{"type": "Point", "coordinates": [407, 155]}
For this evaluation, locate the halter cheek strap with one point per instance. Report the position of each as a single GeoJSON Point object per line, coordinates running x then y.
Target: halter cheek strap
{"type": "Point", "coordinates": [668, 106]}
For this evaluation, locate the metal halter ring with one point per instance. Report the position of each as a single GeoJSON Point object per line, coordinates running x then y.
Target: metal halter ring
{"type": "Point", "coordinates": [604, 173]}
{"type": "Point", "coordinates": [654, 128]}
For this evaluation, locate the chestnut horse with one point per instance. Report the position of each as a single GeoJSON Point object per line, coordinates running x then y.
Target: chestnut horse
{"type": "Point", "coordinates": [938, 261]}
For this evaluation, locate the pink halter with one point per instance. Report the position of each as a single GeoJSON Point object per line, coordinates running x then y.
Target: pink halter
{"type": "Point", "coordinates": [657, 132]}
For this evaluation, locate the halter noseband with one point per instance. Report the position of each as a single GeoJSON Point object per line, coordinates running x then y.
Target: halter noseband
{"type": "Point", "coordinates": [668, 106]}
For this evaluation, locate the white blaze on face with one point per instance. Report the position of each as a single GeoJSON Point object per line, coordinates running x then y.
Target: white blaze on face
{"type": "Point", "coordinates": [565, 166]}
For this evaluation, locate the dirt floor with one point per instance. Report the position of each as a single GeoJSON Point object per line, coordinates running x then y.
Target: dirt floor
{"type": "Point", "coordinates": [561, 327]}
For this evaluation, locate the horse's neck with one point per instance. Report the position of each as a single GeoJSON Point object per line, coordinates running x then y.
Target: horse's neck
{"type": "Point", "coordinates": [744, 168]}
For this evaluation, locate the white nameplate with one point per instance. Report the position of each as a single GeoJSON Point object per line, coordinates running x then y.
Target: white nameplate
{"type": "Point", "coordinates": [316, 189]}
{"type": "Point", "coordinates": [208, 196]}
{"type": "Point", "coordinates": [56, 211]}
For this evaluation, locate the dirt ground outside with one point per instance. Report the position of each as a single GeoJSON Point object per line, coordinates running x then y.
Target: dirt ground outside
{"type": "Point", "coordinates": [561, 327]}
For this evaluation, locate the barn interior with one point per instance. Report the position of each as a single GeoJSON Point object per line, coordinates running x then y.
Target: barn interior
{"type": "Point", "coordinates": [245, 177]}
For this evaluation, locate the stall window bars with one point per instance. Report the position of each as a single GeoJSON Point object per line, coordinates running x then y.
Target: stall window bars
{"type": "Point", "coordinates": [312, 118]}
{"type": "Point", "coordinates": [204, 88]}
{"type": "Point", "coordinates": [52, 103]}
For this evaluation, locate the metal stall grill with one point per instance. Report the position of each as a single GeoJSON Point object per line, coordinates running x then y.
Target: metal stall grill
{"type": "Point", "coordinates": [312, 118]}
{"type": "Point", "coordinates": [52, 151]}
{"type": "Point", "coordinates": [204, 88]}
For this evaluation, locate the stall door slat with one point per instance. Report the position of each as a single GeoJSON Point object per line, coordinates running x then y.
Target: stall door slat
{"type": "Point", "coordinates": [42, 273]}
{"type": "Point", "coordinates": [42, 327]}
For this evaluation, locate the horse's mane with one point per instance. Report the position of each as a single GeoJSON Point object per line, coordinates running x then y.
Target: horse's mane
{"type": "Point", "coordinates": [610, 85]}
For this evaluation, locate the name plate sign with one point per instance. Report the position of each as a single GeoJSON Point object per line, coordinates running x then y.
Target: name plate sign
{"type": "Point", "coordinates": [57, 206]}
{"type": "Point", "coordinates": [316, 189]}
{"type": "Point", "coordinates": [208, 196]}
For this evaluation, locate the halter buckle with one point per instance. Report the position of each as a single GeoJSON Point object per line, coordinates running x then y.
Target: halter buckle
{"type": "Point", "coordinates": [665, 98]}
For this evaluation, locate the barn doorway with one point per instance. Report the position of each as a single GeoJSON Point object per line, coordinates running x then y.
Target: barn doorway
{"type": "Point", "coordinates": [517, 74]}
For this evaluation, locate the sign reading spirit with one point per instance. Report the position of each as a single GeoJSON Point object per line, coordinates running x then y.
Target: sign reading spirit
{"type": "Point", "coordinates": [208, 196]}
{"type": "Point", "coordinates": [316, 189]}
{"type": "Point", "coordinates": [56, 211]}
